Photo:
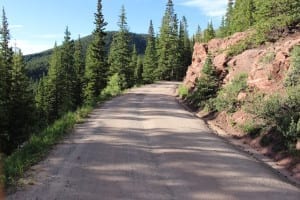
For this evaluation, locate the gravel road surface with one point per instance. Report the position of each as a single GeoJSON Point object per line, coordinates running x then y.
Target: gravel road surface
{"type": "Point", "coordinates": [144, 146]}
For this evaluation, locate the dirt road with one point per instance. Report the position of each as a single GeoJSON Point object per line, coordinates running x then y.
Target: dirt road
{"type": "Point", "coordinates": [145, 146]}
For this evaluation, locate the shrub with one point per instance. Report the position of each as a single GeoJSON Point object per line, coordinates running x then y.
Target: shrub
{"type": "Point", "coordinates": [282, 112]}
{"type": "Point", "coordinates": [227, 97]}
{"type": "Point", "coordinates": [113, 87]}
{"type": "Point", "coordinates": [183, 91]}
{"type": "Point", "coordinates": [293, 76]}
{"type": "Point", "coordinates": [206, 86]}
{"type": "Point", "coordinates": [38, 145]}
{"type": "Point", "coordinates": [238, 48]}
{"type": "Point", "coordinates": [268, 58]}
{"type": "Point", "coordinates": [252, 129]}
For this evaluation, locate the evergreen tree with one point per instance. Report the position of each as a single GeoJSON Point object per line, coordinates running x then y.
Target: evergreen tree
{"type": "Point", "coordinates": [6, 62]}
{"type": "Point", "coordinates": [199, 36]}
{"type": "Point", "coordinates": [6, 51]}
{"type": "Point", "coordinates": [138, 73]}
{"type": "Point", "coordinates": [41, 101]}
{"type": "Point", "coordinates": [242, 15]}
{"type": "Point", "coordinates": [79, 69]}
{"type": "Point", "coordinates": [21, 104]}
{"type": "Point", "coordinates": [3, 106]}
{"type": "Point", "coordinates": [120, 53]}
{"type": "Point", "coordinates": [281, 13]}
{"type": "Point", "coordinates": [54, 85]}
{"type": "Point", "coordinates": [168, 61]}
{"type": "Point", "coordinates": [133, 62]}
{"type": "Point", "coordinates": [207, 85]}
{"type": "Point", "coordinates": [222, 30]}
{"type": "Point", "coordinates": [68, 74]}
{"type": "Point", "coordinates": [187, 50]}
{"type": "Point", "coordinates": [96, 63]}
{"type": "Point", "coordinates": [228, 17]}
{"type": "Point", "coordinates": [209, 32]}
{"type": "Point", "coordinates": [150, 59]}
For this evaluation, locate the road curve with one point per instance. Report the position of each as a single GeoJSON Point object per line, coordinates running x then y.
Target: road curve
{"type": "Point", "coordinates": [144, 146]}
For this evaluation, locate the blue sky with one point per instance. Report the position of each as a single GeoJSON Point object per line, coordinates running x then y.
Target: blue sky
{"type": "Point", "coordinates": [35, 25]}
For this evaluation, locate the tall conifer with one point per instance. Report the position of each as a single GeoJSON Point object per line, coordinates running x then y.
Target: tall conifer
{"type": "Point", "coordinates": [150, 59]}
{"type": "Point", "coordinates": [79, 69]}
{"type": "Point", "coordinates": [21, 104]}
{"type": "Point", "coordinates": [120, 53]}
{"type": "Point", "coordinates": [96, 59]}
{"type": "Point", "coordinates": [68, 73]}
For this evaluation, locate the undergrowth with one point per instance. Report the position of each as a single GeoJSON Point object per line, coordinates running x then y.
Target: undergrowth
{"type": "Point", "coordinates": [37, 147]}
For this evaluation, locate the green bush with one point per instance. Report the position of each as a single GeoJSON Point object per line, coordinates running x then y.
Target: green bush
{"type": "Point", "coordinates": [293, 76]}
{"type": "Point", "coordinates": [183, 91]}
{"type": "Point", "coordinates": [113, 87]}
{"type": "Point", "coordinates": [38, 145]}
{"type": "Point", "coordinates": [282, 112]}
{"type": "Point", "coordinates": [268, 58]}
{"type": "Point", "coordinates": [206, 86]}
{"type": "Point", "coordinates": [227, 96]}
{"type": "Point", "coordinates": [238, 48]}
{"type": "Point", "coordinates": [252, 129]}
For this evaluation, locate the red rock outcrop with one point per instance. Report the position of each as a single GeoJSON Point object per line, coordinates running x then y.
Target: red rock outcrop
{"type": "Point", "coordinates": [215, 47]}
{"type": "Point", "coordinates": [266, 66]}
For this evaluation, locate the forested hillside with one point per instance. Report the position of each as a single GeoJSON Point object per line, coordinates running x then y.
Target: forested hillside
{"type": "Point", "coordinates": [247, 79]}
{"type": "Point", "coordinates": [74, 76]}
{"type": "Point", "coordinates": [43, 95]}
{"type": "Point", "coordinates": [37, 64]}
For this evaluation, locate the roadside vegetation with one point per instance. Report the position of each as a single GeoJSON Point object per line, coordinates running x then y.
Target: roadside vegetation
{"type": "Point", "coordinates": [277, 114]}
{"type": "Point", "coordinates": [44, 96]}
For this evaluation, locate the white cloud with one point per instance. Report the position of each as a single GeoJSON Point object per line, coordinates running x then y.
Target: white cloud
{"type": "Point", "coordinates": [29, 47]}
{"type": "Point", "coordinates": [15, 26]}
{"type": "Point", "coordinates": [211, 8]}
{"type": "Point", "coordinates": [50, 36]}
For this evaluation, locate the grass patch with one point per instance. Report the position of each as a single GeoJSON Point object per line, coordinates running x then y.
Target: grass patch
{"type": "Point", "coordinates": [238, 48]}
{"type": "Point", "coordinates": [251, 129]}
{"type": "Point", "coordinates": [227, 96]}
{"type": "Point", "coordinates": [38, 146]}
{"type": "Point", "coordinates": [268, 58]}
{"type": "Point", "coordinates": [183, 91]}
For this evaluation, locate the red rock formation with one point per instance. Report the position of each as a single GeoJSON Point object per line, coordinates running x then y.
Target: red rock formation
{"type": "Point", "coordinates": [266, 66]}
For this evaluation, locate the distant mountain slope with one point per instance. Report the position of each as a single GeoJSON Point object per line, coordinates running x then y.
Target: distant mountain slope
{"type": "Point", "coordinates": [37, 64]}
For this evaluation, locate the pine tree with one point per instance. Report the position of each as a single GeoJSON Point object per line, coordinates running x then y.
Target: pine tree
{"type": "Point", "coordinates": [209, 32]}
{"type": "Point", "coordinates": [133, 62]}
{"type": "Point", "coordinates": [228, 17]}
{"type": "Point", "coordinates": [187, 50]}
{"type": "Point", "coordinates": [3, 106]}
{"type": "Point", "coordinates": [6, 62]}
{"type": "Point", "coordinates": [21, 104]}
{"type": "Point", "coordinates": [96, 63]}
{"type": "Point", "coordinates": [281, 12]}
{"type": "Point", "coordinates": [79, 69]}
{"type": "Point", "coordinates": [54, 85]}
{"type": "Point", "coordinates": [168, 61]}
{"type": "Point", "coordinates": [138, 73]}
{"type": "Point", "coordinates": [242, 15]}
{"type": "Point", "coordinates": [207, 85]}
{"type": "Point", "coordinates": [120, 53]}
{"type": "Point", "coordinates": [150, 59]}
{"type": "Point", "coordinates": [40, 100]}
{"type": "Point", "coordinates": [68, 73]}
{"type": "Point", "coordinates": [199, 35]}
{"type": "Point", "coordinates": [222, 29]}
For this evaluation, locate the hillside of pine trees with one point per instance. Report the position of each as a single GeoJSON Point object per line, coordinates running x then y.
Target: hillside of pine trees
{"type": "Point", "coordinates": [37, 64]}
{"type": "Point", "coordinates": [78, 77]}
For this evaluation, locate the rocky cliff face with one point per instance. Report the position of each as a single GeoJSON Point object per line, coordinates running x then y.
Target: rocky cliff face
{"type": "Point", "coordinates": [266, 66]}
